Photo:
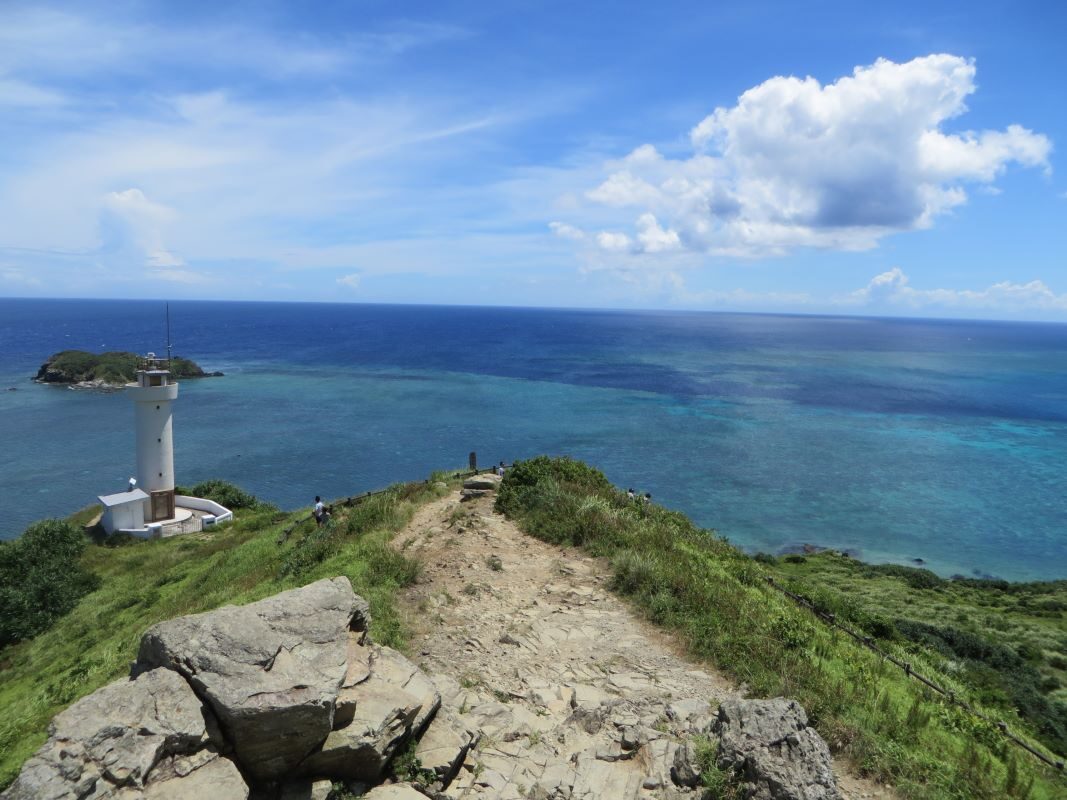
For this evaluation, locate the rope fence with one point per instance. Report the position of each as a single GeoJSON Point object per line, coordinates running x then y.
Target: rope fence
{"type": "Point", "coordinates": [868, 642]}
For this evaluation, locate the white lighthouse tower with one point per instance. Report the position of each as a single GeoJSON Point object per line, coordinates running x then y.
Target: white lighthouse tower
{"type": "Point", "coordinates": [152, 394]}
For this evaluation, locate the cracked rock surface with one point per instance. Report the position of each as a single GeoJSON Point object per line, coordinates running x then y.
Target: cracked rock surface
{"type": "Point", "coordinates": [270, 670]}
{"type": "Point", "coordinates": [770, 744]}
{"type": "Point", "coordinates": [132, 738]}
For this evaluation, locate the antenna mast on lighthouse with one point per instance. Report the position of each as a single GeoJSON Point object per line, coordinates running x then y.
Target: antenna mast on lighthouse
{"type": "Point", "coordinates": [168, 334]}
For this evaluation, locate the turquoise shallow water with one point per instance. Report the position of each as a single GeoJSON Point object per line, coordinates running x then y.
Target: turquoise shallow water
{"type": "Point", "coordinates": [896, 439]}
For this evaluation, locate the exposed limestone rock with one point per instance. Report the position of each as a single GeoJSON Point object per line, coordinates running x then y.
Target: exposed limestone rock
{"type": "Point", "coordinates": [769, 743]}
{"type": "Point", "coordinates": [393, 669]}
{"type": "Point", "coordinates": [443, 746]}
{"type": "Point", "coordinates": [151, 734]}
{"type": "Point", "coordinates": [694, 714]}
{"type": "Point", "coordinates": [219, 780]}
{"type": "Point", "coordinates": [484, 482]}
{"type": "Point", "coordinates": [375, 717]}
{"type": "Point", "coordinates": [685, 771]}
{"type": "Point", "coordinates": [305, 790]}
{"type": "Point", "coordinates": [595, 779]}
{"type": "Point", "coordinates": [396, 791]}
{"type": "Point", "coordinates": [270, 670]}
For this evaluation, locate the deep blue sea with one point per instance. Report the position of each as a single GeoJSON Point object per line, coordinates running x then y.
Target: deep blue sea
{"type": "Point", "coordinates": [896, 439]}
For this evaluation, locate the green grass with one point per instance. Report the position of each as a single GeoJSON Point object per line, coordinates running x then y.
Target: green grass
{"type": "Point", "coordinates": [1005, 641]}
{"type": "Point", "coordinates": [145, 582]}
{"type": "Point", "coordinates": [691, 581]}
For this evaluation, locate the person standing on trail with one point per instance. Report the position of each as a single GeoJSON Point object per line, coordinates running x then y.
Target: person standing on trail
{"type": "Point", "coordinates": [320, 511]}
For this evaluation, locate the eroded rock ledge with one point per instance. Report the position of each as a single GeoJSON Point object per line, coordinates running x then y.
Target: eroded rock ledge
{"type": "Point", "coordinates": [280, 699]}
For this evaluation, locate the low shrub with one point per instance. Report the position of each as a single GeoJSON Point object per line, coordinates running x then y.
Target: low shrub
{"type": "Point", "coordinates": [223, 493]}
{"type": "Point", "coordinates": [526, 477]}
{"type": "Point", "coordinates": [915, 577]}
{"type": "Point", "coordinates": [41, 578]}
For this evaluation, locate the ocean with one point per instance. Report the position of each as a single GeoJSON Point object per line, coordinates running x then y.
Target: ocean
{"type": "Point", "coordinates": [893, 439]}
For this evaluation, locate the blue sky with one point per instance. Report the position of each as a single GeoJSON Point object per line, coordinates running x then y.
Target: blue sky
{"type": "Point", "coordinates": [820, 157]}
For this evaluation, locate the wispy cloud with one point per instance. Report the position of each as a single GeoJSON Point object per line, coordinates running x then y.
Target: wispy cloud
{"type": "Point", "coordinates": [52, 42]}
{"type": "Point", "coordinates": [20, 95]}
{"type": "Point", "coordinates": [240, 179]}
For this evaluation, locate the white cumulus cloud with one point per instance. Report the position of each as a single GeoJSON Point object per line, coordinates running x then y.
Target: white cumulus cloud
{"type": "Point", "coordinates": [614, 241]}
{"type": "Point", "coordinates": [350, 281]}
{"type": "Point", "coordinates": [565, 231]}
{"type": "Point", "coordinates": [795, 163]}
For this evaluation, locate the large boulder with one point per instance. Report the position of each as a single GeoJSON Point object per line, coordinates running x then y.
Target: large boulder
{"type": "Point", "coordinates": [486, 482]}
{"type": "Point", "coordinates": [769, 745]}
{"type": "Point", "coordinates": [385, 701]}
{"type": "Point", "coordinates": [270, 670]}
{"type": "Point", "coordinates": [148, 737]}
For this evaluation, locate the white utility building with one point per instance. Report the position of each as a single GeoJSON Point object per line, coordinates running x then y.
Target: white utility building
{"type": "Point", "coordinates": [124, 510]}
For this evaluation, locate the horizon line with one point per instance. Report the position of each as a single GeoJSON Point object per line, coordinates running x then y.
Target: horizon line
{"type": "Point", "coordinates": [587, 309]}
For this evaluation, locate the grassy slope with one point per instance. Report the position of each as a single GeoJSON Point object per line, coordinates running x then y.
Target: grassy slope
{"type": "Point", "coordinates": [147, 582]}
{"type": "Point", "coordinates": [689, 580]}
{"type": "Point", "coordinates": [1010, 638]}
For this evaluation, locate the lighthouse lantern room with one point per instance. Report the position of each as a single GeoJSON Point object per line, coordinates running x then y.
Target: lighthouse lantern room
{"type": "Point", "coordinates": [152, 394]}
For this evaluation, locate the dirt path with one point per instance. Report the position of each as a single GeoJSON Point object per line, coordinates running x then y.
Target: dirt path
{"type": "Point", "coordinates": [573, 695]}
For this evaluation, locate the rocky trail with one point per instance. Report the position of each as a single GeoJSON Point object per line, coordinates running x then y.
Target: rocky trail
{"type": "Point", "coordinates": [565, 692]}
{"type": "Point", "coordinates": [531, 681]}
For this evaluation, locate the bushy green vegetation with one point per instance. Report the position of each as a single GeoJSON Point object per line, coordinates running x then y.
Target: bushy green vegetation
{"type": "Point", "coordinates": [1003, 640]}
{"type": "Point", "coordinates": [223, 493]}
{"type": "Point", "coordinates": [694, 582]}
{"type": "Point", "coordinates": [262, 552]}
{"type": "Point", "coordinates": [41, 578]}
{"type": "Point", "coordinates": [72, 366]}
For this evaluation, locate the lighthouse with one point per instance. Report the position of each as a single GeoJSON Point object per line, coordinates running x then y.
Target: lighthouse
{"type": "Point", "coordinates": [153, 393]}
